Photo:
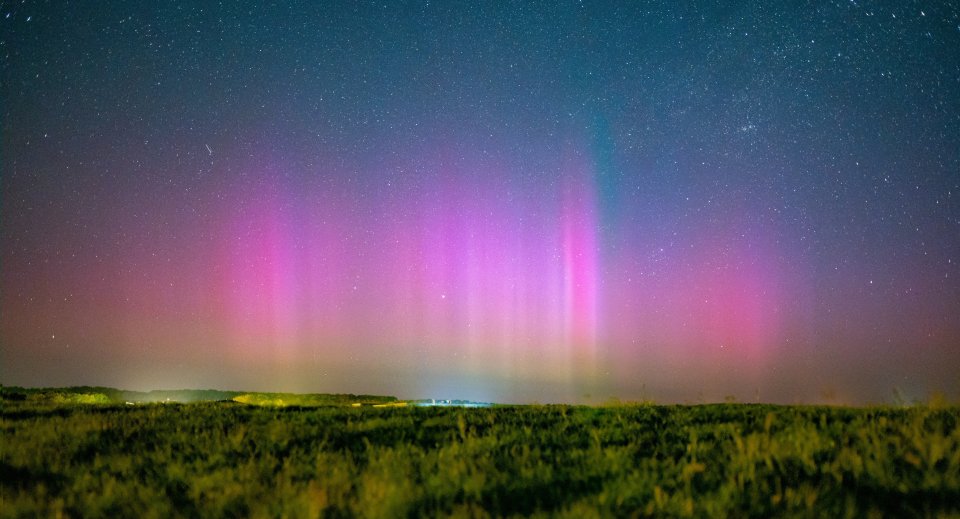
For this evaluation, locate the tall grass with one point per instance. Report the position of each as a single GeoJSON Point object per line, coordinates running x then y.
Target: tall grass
{"type": "Point", "coordinates": [230, 460]}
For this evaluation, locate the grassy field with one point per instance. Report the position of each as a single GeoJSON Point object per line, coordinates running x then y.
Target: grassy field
{"type": "Point", "coordinates": [232, 459]}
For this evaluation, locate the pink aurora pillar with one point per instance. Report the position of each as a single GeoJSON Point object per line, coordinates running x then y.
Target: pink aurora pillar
{"type": "Point", "coordinates": [580, 267]}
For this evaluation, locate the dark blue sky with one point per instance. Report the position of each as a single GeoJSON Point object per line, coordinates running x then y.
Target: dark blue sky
{"type": "Point", "coordinates": [507, 201]}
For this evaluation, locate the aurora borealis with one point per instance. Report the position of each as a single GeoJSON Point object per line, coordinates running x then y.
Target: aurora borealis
{"type": "Point", "coordinates": [495, 201]}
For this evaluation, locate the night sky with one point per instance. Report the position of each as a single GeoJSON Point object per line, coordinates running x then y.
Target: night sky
{"type": "Point", "coordinates": [678, 201]}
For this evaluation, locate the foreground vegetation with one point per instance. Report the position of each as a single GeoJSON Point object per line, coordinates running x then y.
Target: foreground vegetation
{"type": "Point", "coordinates": [228, 459]}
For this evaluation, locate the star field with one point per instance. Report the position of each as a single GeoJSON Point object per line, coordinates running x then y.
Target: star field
{"type": "Point", "coordinates": [504, 202]}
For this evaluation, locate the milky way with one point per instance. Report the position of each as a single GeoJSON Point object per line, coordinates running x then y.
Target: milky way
{"type": "Point", "coordinates": [561, 202]}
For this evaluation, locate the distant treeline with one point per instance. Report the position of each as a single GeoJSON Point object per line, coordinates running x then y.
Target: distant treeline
{"type": "Point", "coordinates": [109, 395]}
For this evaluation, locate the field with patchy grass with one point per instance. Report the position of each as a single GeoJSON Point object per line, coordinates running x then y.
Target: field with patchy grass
{"type": "Point", "coordinates": [232, 459]}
